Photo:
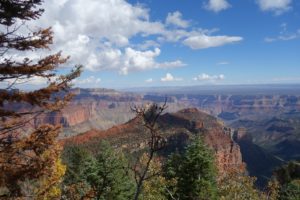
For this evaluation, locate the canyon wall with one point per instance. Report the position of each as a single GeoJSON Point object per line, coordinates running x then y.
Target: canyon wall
{"type": "Point", "coordinates": [101, 109]}
{"type": "Point", "coordinates": [179, 129]}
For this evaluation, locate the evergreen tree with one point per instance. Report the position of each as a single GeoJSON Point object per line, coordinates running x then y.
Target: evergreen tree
{"type": "Point", "coordinates": [75, 158]}
{"type": "Point", "coordinates": [108, 175]}
{"type": "Point", "coordinates": [75, 185]}
{"type": "Point", "coordinates": [290, 191]}
{"type": "Point", "coordinates": [289, 178]}
{"type": "Point", "coordinates": [194, 172]}
{"type": "Point", "coordinates": [23, 155]}
{"type": "Point", "coordinates": [288, 172]}
{"type": "Point", "coordinates": [103, 177]}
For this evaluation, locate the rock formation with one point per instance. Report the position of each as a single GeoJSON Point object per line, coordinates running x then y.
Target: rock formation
{"type": "Point", "coordinates": [178, 128]}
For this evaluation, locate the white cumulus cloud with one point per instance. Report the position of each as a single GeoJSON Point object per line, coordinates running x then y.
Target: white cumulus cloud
{"type": "Point", "coordinates": [169, 77]}
{"type": "Point", "coordinates": [205, 41]}
{"type": "Point", "coordinates": [175, 18]}
{"type": "Point", "coordinates": [217, 5]}
{"type": "Point", "coordinates": [99, 35]}
{"type": "Point", "coordinates": [278, 6]}
{"type": "Point", "coordinates": [128, 60]}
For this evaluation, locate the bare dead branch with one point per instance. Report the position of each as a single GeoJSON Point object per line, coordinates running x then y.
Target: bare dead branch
{"type": "Point", "coordinates": [150, 115]}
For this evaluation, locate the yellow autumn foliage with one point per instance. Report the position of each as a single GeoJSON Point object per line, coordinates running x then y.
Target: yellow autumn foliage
{"type": "Point", "coordinates": [155, 186]}
{"type": "Point", "coordinates": [237, 186]}
{"type": "Point", "coordinates": [49, 184]}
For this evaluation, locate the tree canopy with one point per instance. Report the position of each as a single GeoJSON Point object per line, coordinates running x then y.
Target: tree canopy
{"type": "Point", "coordinates": [194, 172]}
{"type": "Point", "coordinates": [102, 176]}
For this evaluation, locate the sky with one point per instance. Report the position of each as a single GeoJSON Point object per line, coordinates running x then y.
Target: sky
{"type": "Point", "coordinates": [146, 43]}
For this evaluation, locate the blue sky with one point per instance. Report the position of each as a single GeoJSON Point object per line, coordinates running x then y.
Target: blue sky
{"type": "Point", "coordinates": [254, 59]}
{"type": "Point", "coordinates": [145, 43]}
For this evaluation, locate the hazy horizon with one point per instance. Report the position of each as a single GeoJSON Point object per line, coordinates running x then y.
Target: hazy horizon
{"type": "Point", "coordinates": [251, 89]}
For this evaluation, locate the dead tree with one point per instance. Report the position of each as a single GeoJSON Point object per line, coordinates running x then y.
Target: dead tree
{"type": "Point", "coordinates": [150, 115]}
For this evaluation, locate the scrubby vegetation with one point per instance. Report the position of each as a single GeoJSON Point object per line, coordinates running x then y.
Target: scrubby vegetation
{"type": "Point", "coordinates": [187, 175]}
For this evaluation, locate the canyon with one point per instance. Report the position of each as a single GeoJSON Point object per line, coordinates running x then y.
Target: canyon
{"type": "Point", "coordinates": [178, 129]}
{"type": "Point", "coordinates": [266, 118]}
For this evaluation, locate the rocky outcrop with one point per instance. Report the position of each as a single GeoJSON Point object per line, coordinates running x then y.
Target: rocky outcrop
{"type": "Point", "coordinates": [70, 116]}
{"type": "Point", "coordinates": [92, 109]}
{"type": "Point", "coordinates": [240, 133]}
{"type": "Point", "coordinates": [178, 129]}
{"type": "Point", "coordinates": [77, 114]}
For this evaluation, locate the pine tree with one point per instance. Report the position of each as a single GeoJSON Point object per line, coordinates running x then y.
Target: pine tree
{"type": "Point", "coordinates": [22, 155]}
{"type": "Point", "coordinates": [75, 157]}
{"type": "Point", "coordinates": [75, 185]}
{"type": "Point", "coordinates": [289, 178]}
{"type": "Point", "coordinates": [194, 172]}
{"type": "Point", "coordinates": [104, 176]}
{"type": "Point", "coordinates": [108, 175]}
{"type": "Point", "coordinates": [290, 191]}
